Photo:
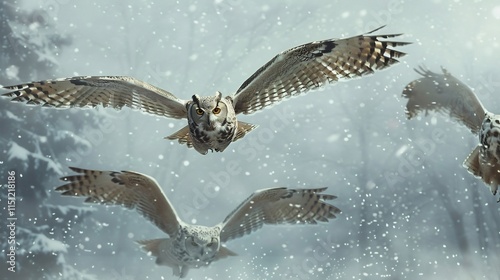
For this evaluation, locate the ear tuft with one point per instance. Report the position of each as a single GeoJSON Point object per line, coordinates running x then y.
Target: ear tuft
{"type": "Point", "coordinates": [218, 96]}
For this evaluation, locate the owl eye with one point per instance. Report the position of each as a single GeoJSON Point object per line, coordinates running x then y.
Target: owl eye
{"type": "Point", "coordinates": [199, 111]}
{"type": "Point", "coordinates": [216, 110]}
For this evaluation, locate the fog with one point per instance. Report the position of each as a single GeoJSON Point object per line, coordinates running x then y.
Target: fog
{"type": "Point", "coordinates": [409, 208]}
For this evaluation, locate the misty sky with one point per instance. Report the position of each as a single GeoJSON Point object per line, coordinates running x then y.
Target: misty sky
{"type": "Point", "coordinates": [351, 137]}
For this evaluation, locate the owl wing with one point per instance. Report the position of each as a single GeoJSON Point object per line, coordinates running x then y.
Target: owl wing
{"type": "Point", "coordinates": [312, 65]}
{"type": "Point", "coordinates": [445, 94]}
{"type": "Point", "coordinates": [278, 206]}
{"type": "Point", "coordinates": [108, 91]}
{"type": "Point", "coordinates": [129, 189]}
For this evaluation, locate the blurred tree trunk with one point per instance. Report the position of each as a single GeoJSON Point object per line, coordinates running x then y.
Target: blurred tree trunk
{"type": "Point", "coordinates": [479, 212]}
{"type": "Point", "coordinates": [456, 217]}
{"type": "Point", "coordinates": [363, 234]}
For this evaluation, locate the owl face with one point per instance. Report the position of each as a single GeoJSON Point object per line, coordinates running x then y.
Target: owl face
{"type": "Point", "coordinates": [212, 122]}
{"type": "Point", "coordinates": [208, 112]}
{"type": "Point", "coordinates": [201, 243]}
{"type": "Point", "coordinates": [490, 138]}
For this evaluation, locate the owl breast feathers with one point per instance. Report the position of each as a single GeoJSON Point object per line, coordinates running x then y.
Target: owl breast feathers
{"type": "Point", "coordinates": [212, 123]}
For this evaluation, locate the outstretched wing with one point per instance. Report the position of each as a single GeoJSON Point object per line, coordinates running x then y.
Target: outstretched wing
{"type": "Point", "coordinates": [108, 91]}
{"type": "Point", "coordinates": [129, 189]}
{"type": "Point", "coordinates": [445, 94]}
{"type": "Point", "coordinates": [278, 206]}
{"type": "Point", "coordinates": [312, 65]}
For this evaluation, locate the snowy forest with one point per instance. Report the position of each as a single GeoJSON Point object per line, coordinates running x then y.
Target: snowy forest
{"type": "Point", "coordinates": [409, 208]}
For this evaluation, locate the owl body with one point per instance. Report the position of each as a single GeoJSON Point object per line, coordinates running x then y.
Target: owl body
{"type": "Point", "coordinates": [290, 73]}
{"type": "Point", "coordinates": [212, 123]}
{"type": "Point", "coordinates": [446, 94]}
{"type": "Point", "coordinates": [197, 245]}
{"type": "Point", "coordinates": [489, 138]}
{"type": "Point", "coordinates": [194, 246]}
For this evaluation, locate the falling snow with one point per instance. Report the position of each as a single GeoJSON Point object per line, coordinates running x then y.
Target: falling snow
{"type": "Point", "coordinates": [409, 209]}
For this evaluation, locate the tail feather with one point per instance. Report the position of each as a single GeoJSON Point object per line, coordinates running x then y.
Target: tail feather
{"type": "Point", "coordinates": [224, 253]}
{"type": "Point", "coordinates": [472, 163]}
{"type": "Point", "coordinates": [243, 129]}
{"type": "Point", "coordinates": [152, 245]}
{"type": "Point", "coordinates": [182, 136]}
{"type": "Point", "coordinates": [487, 171]}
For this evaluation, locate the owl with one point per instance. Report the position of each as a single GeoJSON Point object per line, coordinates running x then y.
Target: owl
{"type": "Point", "coordinates": [212, 123]}
{"type": "Point", "coordinates": [446, 94]}
{"type": "Point", "coordinates": [193, 246]}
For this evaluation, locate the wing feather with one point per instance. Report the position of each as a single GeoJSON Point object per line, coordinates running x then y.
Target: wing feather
{"type": "Point", "coordinates": [128, 189]}
{"type": "Point", "coordinates": [108, 91]}
{"type": "Point", "coordinates": [445, 94]}
{"type": "Point", "coordinates": [183, 136]}
{"type": "Point", "coordinates": [278, 206]}
{"type": "Point", "coordinates": [312, 65]}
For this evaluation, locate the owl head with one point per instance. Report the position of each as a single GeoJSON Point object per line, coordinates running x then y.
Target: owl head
{"type": "Point", "coordinates": [201, 243]}
{"type": "Point", "coordinates": [209, 112]}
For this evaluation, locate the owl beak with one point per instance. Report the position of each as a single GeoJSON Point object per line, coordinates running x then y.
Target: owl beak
{"type": "Point", "coordinates": [211, 122]}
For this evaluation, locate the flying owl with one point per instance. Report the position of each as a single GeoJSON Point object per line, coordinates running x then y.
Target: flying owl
{"type": "Point", "coordinates": [192, 246]}
{"type": "Point", "coordinates": [212, 123]}
{"type": "Point", "coordinates": [446, 94]}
